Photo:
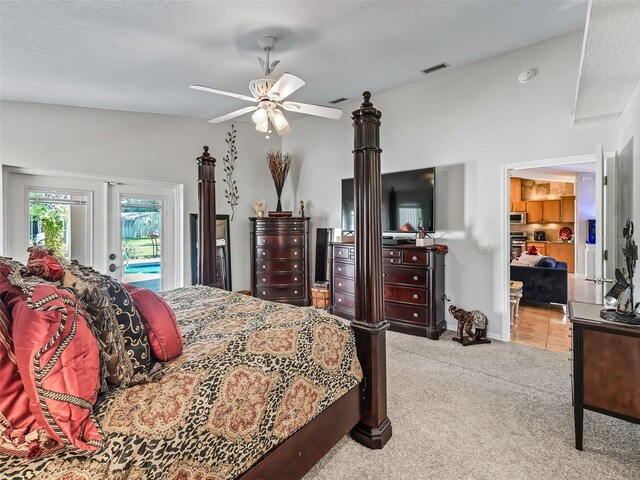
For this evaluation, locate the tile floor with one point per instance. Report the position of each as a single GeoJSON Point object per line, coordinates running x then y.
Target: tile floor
{"type": "Point", "coordinates": [546, 326]}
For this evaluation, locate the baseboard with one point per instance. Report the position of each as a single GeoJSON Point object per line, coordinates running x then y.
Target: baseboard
{"type": "Point", "coordinates": [453, 327]}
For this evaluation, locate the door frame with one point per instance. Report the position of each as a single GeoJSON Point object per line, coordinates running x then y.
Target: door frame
{"type": "Point", "coordinates": [505, 225]}
{"type": "Point", "coordinates": [179, 199]}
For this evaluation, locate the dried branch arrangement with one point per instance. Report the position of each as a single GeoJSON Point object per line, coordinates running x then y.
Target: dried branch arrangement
{"type": "Point", "coordinates": [229, 161]}
{"type": "Point", "coordinates": [279, 164]}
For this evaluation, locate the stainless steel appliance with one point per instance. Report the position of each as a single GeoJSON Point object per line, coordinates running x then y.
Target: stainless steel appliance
{"type": "Point", "coordinates": [518, 217]}
{"type": "Point", "coordinates": [518, 243]}
{"type": "Point", "coordinates": [539, 236]}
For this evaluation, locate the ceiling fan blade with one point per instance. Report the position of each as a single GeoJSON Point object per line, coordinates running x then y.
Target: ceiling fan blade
{"type": "Point", "coordinates": [222, 92]}
{"type": "Point", "coordinates": [234, 114]}
{"type": "Point", "coordinates": [309, 109]}
{"type": "Point", "coordinates": [285, 86]}
{"type": "Point", "coordinates": [279, 122]}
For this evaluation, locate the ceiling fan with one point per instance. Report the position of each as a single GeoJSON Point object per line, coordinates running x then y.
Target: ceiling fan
{"type": "Point", "coordinates": [270, 95]}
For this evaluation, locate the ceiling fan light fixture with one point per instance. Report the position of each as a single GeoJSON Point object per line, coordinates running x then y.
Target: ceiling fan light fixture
{"type": "Point", "coordinates": [263, 127]}
{"type": "Point", "coordinates": [260, 116]}
{"type": "Point", "coordinates": [278, 119]}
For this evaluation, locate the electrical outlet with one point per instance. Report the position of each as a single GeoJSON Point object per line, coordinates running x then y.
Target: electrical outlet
{"type": "Point", "coordinates": [483, 249]}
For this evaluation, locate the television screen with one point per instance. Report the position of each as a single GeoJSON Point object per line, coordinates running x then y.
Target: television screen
{"type": "Point", "coordinates": [407, 201]}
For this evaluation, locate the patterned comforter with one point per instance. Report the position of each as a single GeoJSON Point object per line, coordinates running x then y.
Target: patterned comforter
{"type": "Point", "coordinates": [252, 373]}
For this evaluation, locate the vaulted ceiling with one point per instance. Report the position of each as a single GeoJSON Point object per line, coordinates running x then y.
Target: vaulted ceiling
{"type": "Point", "coordinates": [140, 56]}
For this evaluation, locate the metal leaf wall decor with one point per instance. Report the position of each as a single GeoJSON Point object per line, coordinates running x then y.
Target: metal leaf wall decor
{"type": "Point", "coordinates": [229, 161]}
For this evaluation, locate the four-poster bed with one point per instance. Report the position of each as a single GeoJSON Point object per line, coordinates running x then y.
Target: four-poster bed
{"type": "Point", "coordinates": [261, 390]}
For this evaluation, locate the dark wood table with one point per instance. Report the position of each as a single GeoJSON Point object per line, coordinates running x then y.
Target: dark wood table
{"type": "Point", "coordinates": [606, 366]}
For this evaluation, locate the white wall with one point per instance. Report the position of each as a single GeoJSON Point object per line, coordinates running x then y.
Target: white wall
{"type": "Point", "coordinates": [585, 209]}
{"type": "Point", "coordinates": [467, 122]}
{"type": "Point", "coordinates": [629, 159]}
{"type": "Point", "coordinates": [141, 146]}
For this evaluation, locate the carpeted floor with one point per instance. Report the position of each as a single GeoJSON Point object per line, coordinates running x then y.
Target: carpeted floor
{"type": "Point", "coordinates": [498, 411]}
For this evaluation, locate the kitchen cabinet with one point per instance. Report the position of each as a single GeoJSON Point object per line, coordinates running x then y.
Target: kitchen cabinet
{"type": "Point", "coordinates": [518, 206]}
{"type": "Point", "coordinates": [534, 211]}
{"type": "Point", "coordinates": [516, 190]}
{"type": "Point", "coordinates": [568, 209]}
{"type": "Point", "coordinates": [551, 211]}
{"type": "Point", "coordinates": [563, 252]}
{"type": "Point", "coordinates": [541, 247]}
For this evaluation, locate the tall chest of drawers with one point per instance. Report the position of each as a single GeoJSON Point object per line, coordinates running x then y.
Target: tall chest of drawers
{"type": "Point", "coordinates": [280, 259]}
{"type": "Point", "coordinates": [413, 287]}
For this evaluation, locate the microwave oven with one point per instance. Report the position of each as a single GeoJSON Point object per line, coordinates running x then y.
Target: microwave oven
{"type": "Point", "coordinates": [518, 217]}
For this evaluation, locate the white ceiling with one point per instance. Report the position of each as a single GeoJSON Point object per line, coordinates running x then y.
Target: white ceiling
{"type": "Point", "coordinates": [610, 58]}
{"type": "Point", "coordinates": [140, 56]}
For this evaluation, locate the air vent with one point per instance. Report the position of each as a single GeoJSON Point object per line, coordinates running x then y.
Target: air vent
{"type": "Point", "coordinates": [337, 100]}
{"type": "Point", "coordinates": [435, 68]}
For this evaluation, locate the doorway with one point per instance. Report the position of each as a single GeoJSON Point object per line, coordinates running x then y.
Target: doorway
{"type": "Point", "coordinates": [127, 229]}
{"type": "Point", "coordinates": [542, 322]}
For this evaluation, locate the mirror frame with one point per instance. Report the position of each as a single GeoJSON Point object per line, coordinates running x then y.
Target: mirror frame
{"type": "Point", "coordinates": [193, 228]}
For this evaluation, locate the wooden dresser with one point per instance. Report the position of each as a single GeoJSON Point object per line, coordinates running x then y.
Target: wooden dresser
{"type": "Point", "coordinates": [606, 367]}
{"type": "Point", "coordinates": [413, 287]}
{"type": "Point", "coordinates": [280, 259]}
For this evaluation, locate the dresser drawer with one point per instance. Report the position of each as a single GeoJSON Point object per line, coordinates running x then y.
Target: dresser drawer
{"type": "Point", "coordinates": [407, 276]}
{"type": "Point", "coordinates": [267, 253]}
{"type": "Point", "coordinates": [276, 279]}
{"type": "Point", "coordinates": [406, 294]}
{"type": "Point", "coordinates": [289, 291]}
{"type": "Point", "coordinates": [279, 226]}
{"type": "Point", "coordinates": [344, 269]}
{"type": "Point", "coordinates": [344, 300]}
{"type": "Point", "coordinates": [274, 266]}
{"type": "Point", "coordinates": [343, 252]}
{"type": "Point", "coordinates": [405, 313]}
{"type": "Point", "coordinates": [391, 261]}
{"type": "Point", "coordinates": [391, 253]}
{"type": "Point", "coordinates": [279, 240]}
{"type": "Point", "coordinates": [346, 285]}
{"type": "Point", "coordinates": [415, 258]}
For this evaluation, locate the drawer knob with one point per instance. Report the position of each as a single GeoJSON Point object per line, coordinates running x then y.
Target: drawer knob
{"type": "Point", "coordinates": [295, 240]}
{"type": "Point", "coordinates": [295, 279]}
{"type": "Point", "coordinates": [415, 277]}
{"type": "Point", "coordinates": [392, 260]}
{"type": "Point", "coordinates": [415, 296]}
{"type": "Point", "coordinates": [264, 240]}
{"type": "Point", "coordinates": [295, 292]}
{"type": "Point", "coordinates": [264, 279]}
{"type": "Point", "coordinates": [339, 269]}
{"type": "Point", "coordinates": [415, 315]}
{"type": "Point", "coordinates": [339, 300]}
{"type": "Point", "coordinates": [295, 253]}
{"type": "Point", "coordinates": [295, 266]}
{"type": "Point", "coordinates": [384, 274]}
{"type": "Point", "coordinates": [264, 253]}
{"type": "Point", "coordinates": [339, 284]}
{"type": "Point", "coordinates": [264, 266]}
{"type": "Point", "coordinates": [415, 258]}
{"type": "Point", "coordinates": [264, 293]}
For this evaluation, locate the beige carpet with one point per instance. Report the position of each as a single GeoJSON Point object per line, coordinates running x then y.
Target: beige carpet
{"type": "Point", "coordinates": [498, 411]}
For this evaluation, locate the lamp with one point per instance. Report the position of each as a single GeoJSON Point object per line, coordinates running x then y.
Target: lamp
{"type": "Point", "coordinates": [260, 116]}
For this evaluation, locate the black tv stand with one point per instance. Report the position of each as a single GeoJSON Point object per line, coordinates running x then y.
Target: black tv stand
{"type": "Point", "coordinates": [394, 241]}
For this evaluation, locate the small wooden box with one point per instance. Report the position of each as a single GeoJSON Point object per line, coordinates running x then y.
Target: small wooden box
{"type": "Point", "coordinates": [320, 297]}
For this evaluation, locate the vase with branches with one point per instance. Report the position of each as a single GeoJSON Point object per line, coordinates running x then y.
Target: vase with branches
{"type": "Point", "coordinates": [229, 162]}
{"type": "Point", "coordinates": [279, 164]}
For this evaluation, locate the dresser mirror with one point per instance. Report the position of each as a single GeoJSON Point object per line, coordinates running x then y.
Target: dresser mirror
{"type": "Point", "coordinates": [223, 250]}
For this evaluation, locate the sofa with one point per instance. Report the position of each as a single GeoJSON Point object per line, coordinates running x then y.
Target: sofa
{"type": "Point", "coordinates": [543, 284]}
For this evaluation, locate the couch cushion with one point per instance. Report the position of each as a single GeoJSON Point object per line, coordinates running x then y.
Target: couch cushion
{"type": "Point", "coordinates": [43, 264]}
{"type": "Point", "coordinates": [160, 321]}
{"type": "Point", "coordinates": [547, 262]}
{"type": "Point", "coordinates": [59, 362]}
{"type": "Point", "coordinates": [530, 260]}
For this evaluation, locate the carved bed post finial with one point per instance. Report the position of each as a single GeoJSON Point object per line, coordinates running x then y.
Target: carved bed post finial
{"type": "Point", "coordinates": [369, 324]}
{"type": "Point", "coordinates": [207, 271]}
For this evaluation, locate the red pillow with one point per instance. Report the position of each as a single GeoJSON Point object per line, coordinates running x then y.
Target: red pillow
{"type": "Point", "coordinates": [43, 264]}
{"type": "Point", "coordinates": [160, 321]}
{"type": "Point", "coordinates": [59, 363]}
{"type": "Point", "coordinates": [20, 433]}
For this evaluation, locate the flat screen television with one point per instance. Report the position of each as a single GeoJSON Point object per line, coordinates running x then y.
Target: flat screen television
{"type": "Point", "coordinates": [407, 201]}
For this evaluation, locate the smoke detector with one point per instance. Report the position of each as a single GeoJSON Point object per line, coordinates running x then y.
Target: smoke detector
{"type": "Point", "coordinates": [526, 75]}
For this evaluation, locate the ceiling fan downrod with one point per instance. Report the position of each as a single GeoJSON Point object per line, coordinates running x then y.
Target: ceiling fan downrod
{"type": "Point", "coordinates": [267, 44]}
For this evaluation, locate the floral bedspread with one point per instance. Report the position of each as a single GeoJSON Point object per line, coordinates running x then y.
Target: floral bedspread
{"type": "Point", "coordinates": [252, 373]}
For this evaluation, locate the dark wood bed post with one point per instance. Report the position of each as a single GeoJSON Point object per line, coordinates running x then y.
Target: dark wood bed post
{"type": "Point", "coordinates": [207, 272]}
{"type": "Point", "coordinates": [369, 324]}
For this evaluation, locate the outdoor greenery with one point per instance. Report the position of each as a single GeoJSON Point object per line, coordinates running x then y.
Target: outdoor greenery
{"type": "Point", "coordinates": [51, 219]}
{"type": "Point", "coordinates": [138, 248]}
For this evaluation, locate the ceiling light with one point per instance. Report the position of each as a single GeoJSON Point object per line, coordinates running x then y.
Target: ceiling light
{"type": "Point", "coordinates": [263, 127]}
{"type": "Point", "coordinates": [278, 120]}
{"type": "Point", "coordinates": [260, 116]}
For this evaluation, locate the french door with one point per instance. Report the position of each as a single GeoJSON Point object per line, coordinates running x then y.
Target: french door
{"type": "Point", "coordinates": [127, 230]}
{"type": "Point", "coordinates": [143, 235]}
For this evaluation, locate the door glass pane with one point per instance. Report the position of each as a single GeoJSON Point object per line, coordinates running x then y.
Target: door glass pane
{"type": "Point", "coordinates": [58, 222]}
{"type": "Point", "coordinates": [141, 241]}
